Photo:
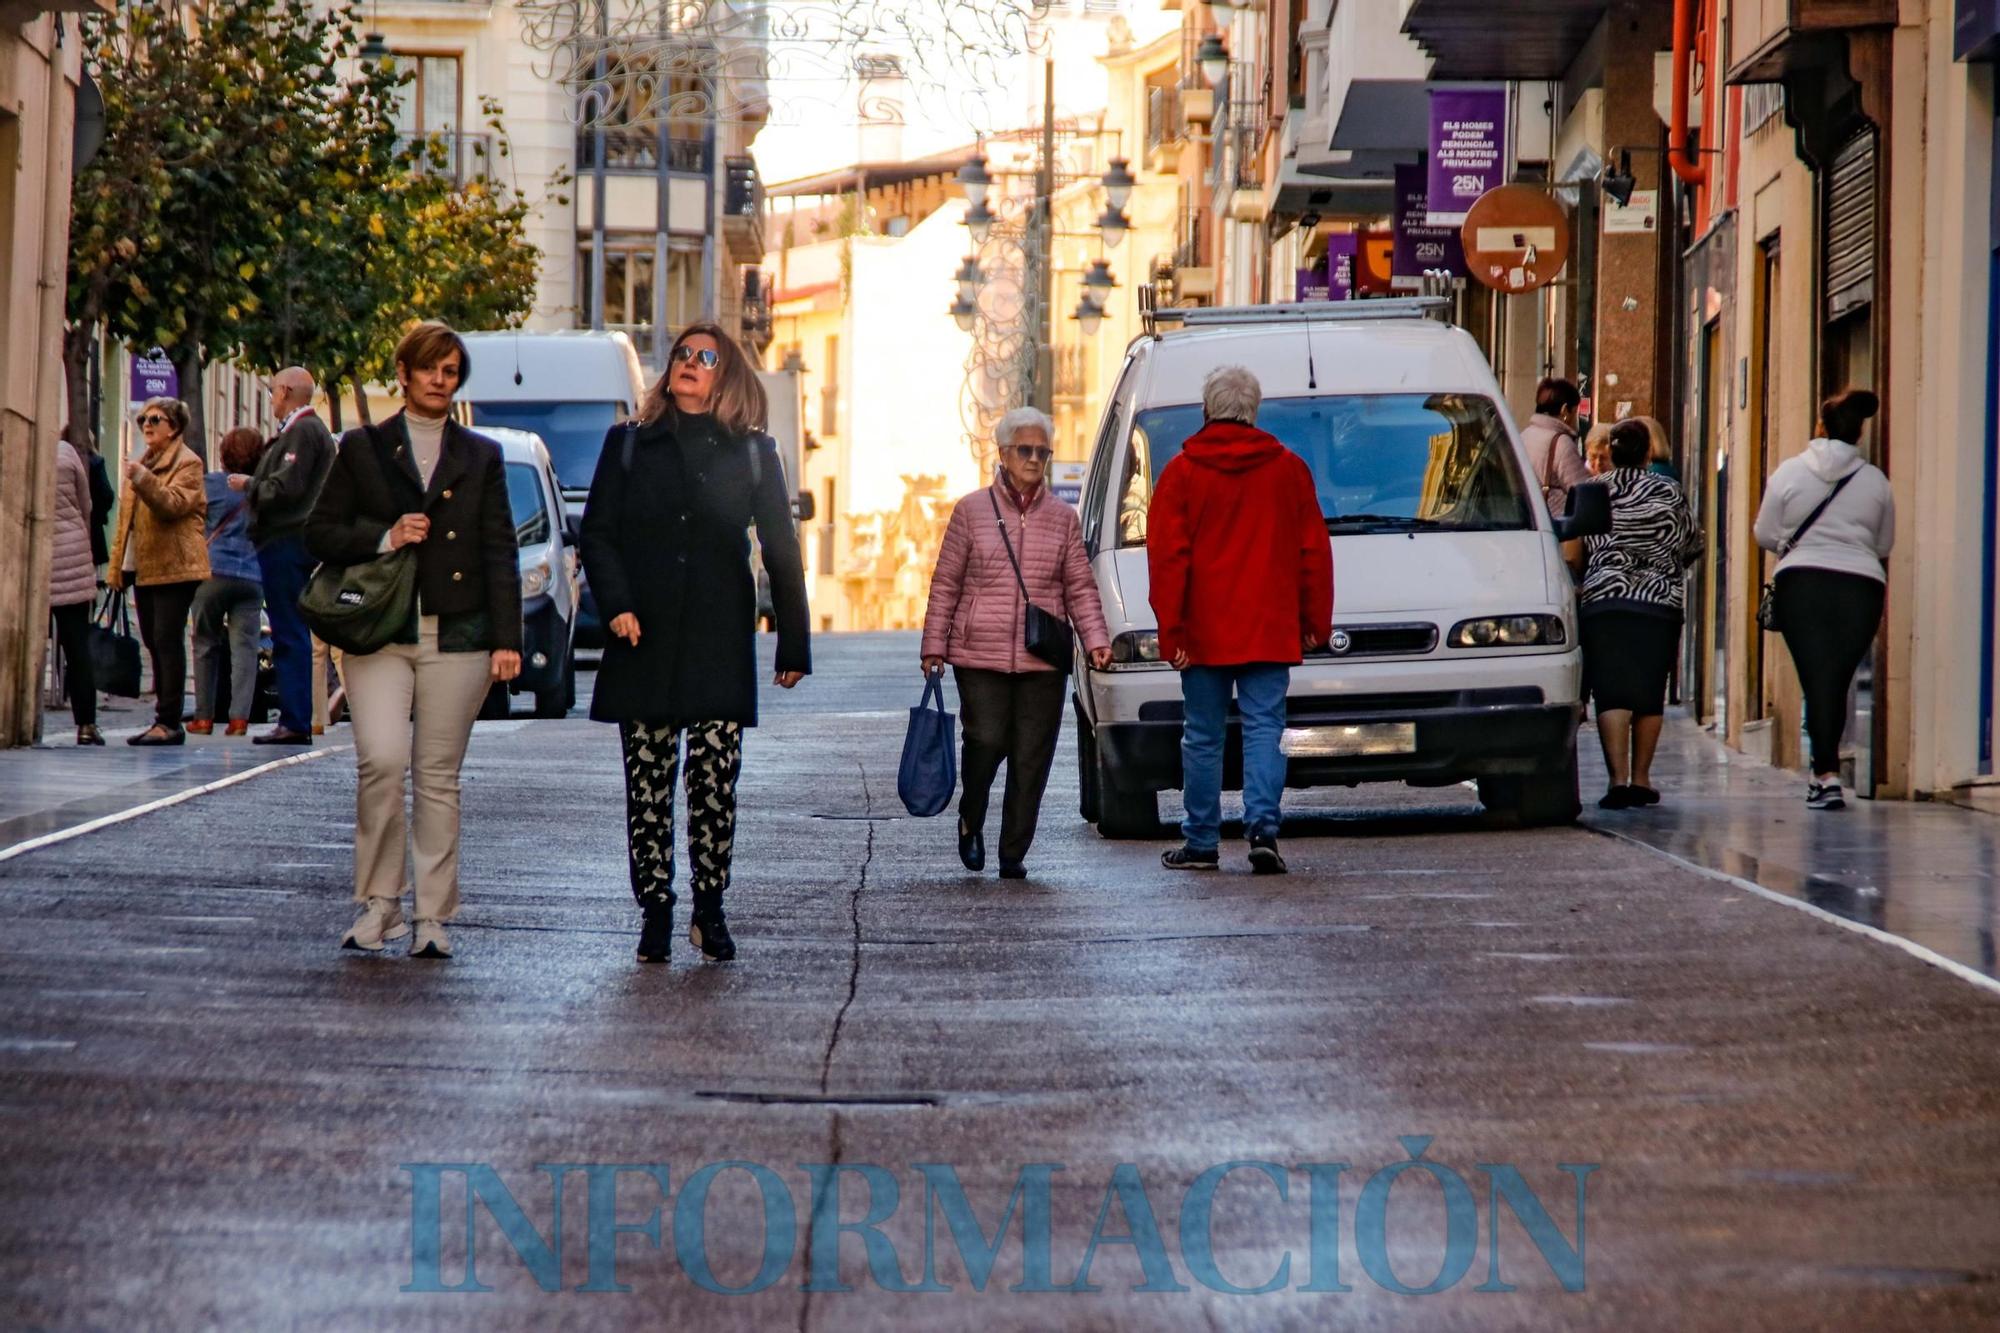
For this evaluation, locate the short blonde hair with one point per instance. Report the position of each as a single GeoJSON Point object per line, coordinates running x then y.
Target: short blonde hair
{"type": "Point", "coordinates": [175, 410]}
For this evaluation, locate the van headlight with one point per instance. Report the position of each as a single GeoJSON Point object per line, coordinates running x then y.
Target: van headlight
{"type": "Point", "coordinates": [535, 579]}
{"type": "Point", "coordinates": [1136, 648]}
{"type": "Point", "coordinates": [1508, 632]}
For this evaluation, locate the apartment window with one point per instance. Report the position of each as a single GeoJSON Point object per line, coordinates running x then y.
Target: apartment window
{"type": "Point", "coordinates": [829, 394]}
{"type": "Point", "coordinates": [429, 103]}
{"type": "Point", "coordinates": [628, 286]}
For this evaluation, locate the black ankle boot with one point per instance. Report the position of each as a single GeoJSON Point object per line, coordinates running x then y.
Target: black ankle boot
{"type": "Point", "coordinates": [709, 932]}
{"type": "Point", "coordinates": [656, 936]}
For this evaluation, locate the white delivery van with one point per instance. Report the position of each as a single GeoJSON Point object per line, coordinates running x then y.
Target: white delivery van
{"type": "Point", "coordinates": [1454, 654]}
{"type": "Point", "coordinates": [568, 388]}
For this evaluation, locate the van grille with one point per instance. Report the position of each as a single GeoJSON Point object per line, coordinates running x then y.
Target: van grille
{"type": "Point", "coordinates": [1411, 640]}
{"type": "Point", "coordinates": [1349, 707]}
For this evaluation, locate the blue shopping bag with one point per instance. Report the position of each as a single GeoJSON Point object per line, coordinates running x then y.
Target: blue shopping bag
{"type": "Point", "coordinates": [929, 771]}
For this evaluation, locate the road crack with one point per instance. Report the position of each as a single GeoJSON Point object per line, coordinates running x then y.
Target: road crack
{"type": "Point", "coordinates": [854, 918]}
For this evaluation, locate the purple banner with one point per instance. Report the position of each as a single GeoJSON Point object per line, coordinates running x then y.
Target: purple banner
{"type": "Point", "coordinates": [1421, 248]}
{"type": "Point", "coordinates": [1340, 266]}
{"type": "Point", "coordinates": [153, 377]}
{"type": "Point", "coordinates": [1468, 150]}
{"type": "Point", "coordinates": [1310, 284]}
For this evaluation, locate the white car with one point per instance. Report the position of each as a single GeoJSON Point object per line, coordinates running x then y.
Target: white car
{"type": "Point", "coordinates": [550, 570]}
{"type": "Point", "coordinates": [1454, 653]}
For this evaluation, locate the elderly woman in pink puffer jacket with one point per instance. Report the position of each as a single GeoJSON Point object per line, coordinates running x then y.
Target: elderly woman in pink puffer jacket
{"type": "Point", "coordinates": [1010, 700]}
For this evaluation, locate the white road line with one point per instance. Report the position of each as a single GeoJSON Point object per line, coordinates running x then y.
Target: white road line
{"type": "Point", "coordinates": [1910, 947]}
{"type": "Point", "coordinates": [106, 821]}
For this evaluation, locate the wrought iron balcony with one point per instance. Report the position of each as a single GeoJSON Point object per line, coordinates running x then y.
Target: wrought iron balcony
{"type": "Point", "coordinates": [638, 152]}
{"type": "Point", "coordinates": [462, 157]}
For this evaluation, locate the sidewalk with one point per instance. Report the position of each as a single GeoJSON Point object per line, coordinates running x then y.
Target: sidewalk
{"type": "Point", "coordinates": [1925, 871]}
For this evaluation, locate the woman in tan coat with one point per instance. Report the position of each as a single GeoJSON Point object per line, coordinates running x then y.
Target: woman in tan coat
{"type": "Point", "coordinates": [162, 552]}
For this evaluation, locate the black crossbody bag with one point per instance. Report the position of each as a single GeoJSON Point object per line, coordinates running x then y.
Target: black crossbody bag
{"type": "Point", "coordinates": [1046, 635]}
{"type": "Point", "coordinates": [1767, 601]}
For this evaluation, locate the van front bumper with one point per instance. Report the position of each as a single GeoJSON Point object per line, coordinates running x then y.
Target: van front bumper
{"type": "Point", "coordinates": [1467, 739]}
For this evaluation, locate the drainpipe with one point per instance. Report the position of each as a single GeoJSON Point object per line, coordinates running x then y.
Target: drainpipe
{"type": "Point", "coordinates": [1683, 162]}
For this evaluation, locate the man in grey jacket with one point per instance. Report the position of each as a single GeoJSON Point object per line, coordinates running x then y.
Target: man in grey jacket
{"type": "Point", "coordinates": [1555, 460]}
{"type": "Point", "coordinates": [281, 494]}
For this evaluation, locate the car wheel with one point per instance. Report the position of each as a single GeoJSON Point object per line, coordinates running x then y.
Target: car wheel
{"type": "Point", "coordinates": [1086, 770]}
{"type": "Point", "coordinates": [1124, 814]}
{"type": "Point", "coordinates": [1539, 800]}
{"type": "Point", "coordinates": [559, 698]}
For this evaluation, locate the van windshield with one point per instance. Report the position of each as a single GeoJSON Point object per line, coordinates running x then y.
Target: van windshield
{"type": "Point", "coordinates": [574, 432]}
{"type": "Point", "coordinates": [1393, 462]}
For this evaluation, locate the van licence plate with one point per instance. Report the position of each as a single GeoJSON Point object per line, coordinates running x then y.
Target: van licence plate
{"type": "Point", "coordinates": [1366, 738]}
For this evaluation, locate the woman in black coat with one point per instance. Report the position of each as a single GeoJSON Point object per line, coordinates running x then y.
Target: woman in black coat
{"type": "Point", "coordinates": [667, 550]}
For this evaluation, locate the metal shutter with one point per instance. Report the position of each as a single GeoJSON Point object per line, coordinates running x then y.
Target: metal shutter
{"type": "Point", "coordinates": [1850, 226]}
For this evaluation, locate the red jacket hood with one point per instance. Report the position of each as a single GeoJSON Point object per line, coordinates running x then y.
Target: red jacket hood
{"type": "Point", "coordinates": [1231, 446]}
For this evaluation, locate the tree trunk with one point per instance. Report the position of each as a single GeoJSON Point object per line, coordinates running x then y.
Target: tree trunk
{"type": "Point", "coordinates": [187, 365]}
{"type": "Point", "coordinates": [78, 342]}
{"type": "Point", "coordinates": [361, 402]}
{"type": "Point", "coordinates": [333, 406]}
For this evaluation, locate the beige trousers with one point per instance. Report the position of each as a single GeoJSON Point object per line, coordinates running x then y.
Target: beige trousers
{"type": "Point", "coordinates": [321, 651]}
{"type": "Point", "coordinates": [412, 708]}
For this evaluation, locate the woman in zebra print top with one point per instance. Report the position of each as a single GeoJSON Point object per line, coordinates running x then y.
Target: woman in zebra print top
{"type": "Point", "coordinates": [1631, 602]}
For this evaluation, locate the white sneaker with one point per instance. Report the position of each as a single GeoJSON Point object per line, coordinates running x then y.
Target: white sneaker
{"type": "Point", "coordinates": [431, 941]}
{"type": "Point", "coordinates": [381, 920]}
{"type": "Point", "coordinates": [1824, 796]}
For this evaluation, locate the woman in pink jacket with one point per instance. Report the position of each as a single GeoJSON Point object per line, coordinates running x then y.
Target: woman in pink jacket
{"type": "Point", "coordinates": [1011, 701]}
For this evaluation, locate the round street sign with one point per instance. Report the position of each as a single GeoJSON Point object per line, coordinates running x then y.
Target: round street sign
{"type": "Point", "coordinates": [1516, 238]}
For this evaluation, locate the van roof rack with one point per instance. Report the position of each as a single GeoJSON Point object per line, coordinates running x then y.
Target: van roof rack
{"type": "Point", "coordinates": [1300, 312]}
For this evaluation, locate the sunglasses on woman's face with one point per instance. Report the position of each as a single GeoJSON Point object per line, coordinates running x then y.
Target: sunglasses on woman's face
{"type": "Point", "coordinates": [1040, 452]}
{"type": "Point", "coordinates": [153, 419]}
{"type": "Point", "coordinates": [705, 357]}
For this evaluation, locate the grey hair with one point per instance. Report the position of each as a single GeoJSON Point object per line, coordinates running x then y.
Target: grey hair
{"type": "Point", "coordinates": [1231, 393]}
{"type": "Point", "coordinates": [1019, 419]}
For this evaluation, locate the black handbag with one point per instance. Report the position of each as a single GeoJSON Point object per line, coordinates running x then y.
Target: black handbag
{"type": "Point", "coordinates": [362, 607]}
{"type": "Point", "coordinates": [114, 652]}
{"type": "Point", "coordinates": [1767, 597]}
{"type": "Point", "coordinates": [1046, 635]}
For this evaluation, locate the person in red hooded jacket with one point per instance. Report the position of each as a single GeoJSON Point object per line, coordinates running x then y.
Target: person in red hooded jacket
{"type": "Point", "coordinates": [1242, 583]}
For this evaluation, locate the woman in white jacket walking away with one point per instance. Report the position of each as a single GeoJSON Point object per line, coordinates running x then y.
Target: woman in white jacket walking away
{"type": "Point", "coordinates": [1830, 577]}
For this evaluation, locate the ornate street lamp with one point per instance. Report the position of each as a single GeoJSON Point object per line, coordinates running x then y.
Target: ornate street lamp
{"type": "Point", "coordinates": [979, 220]}
{"type": "Point", "coordinates": [965, 312]}
{"type": "Point", "coordinates": [1118, 183]}
{"type": "Point", "coordinates": [969, 277]}
{"type": "Point", "coordinates": [374, 47]}
{"type": "Point", "coordinates": [1088, 315]}
{"type": "Point", "coordinates": [972, 178]}
{"type": "Point", "coordinates": [1213, 57]}
{"type": "Point", "coordinates": [1098, 278]}
{"type": "Point", "coordinates": [1112, 225]}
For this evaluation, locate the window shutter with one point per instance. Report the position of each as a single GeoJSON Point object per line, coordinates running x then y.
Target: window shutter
{"type": "Point", "coordinates": [1850, 226]}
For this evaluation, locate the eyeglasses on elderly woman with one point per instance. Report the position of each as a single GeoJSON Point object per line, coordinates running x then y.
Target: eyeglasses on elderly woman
{"type": "Point", "coordinates": [155, 419]}
{"type": "Point", "coordinates": [1039, 451]}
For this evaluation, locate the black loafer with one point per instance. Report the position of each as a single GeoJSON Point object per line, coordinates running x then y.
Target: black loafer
{"type": "Point", "coordinates": [1618, 798]}
{"type": "Point", "coordinates": [158, 734]}
{"type": "Point", "coordinates": [1638, 795]}
{"type": "Point", "coordinates": [1013, 870]}
{"type": "Point", "coordinates": [971, 847]}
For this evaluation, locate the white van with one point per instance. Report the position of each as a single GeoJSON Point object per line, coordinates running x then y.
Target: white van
{"type": "Point", "coordinates": [1454, 653]}
{"type": "Point", "coordinates": [569, 388]}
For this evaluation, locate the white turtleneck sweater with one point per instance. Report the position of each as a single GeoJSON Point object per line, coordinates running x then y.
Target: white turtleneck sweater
{"type": "Point", "coordinates": [426, 442]}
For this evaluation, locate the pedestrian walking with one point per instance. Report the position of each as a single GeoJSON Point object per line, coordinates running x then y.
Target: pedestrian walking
{"type": "Point", "coordinates": [1630, 603]}
{"type": "Point", "coordinates": [327, 708]}
{"type": "Point", "coordinates": [162, 554]}
{"type": "Point", "coordinates": [73, 588]}
{"type": "Point", "coordinates": [1831, 518]}
{"type": "Point", "coordinates": [1660, 452]}
{"type": "Point", "coordinates": [1008, 545]}
{"type": "Point", "coordinates": [666, 548]}
{"type": "Point", "coordinates": [228, 603]}
{"type": "Point", "coordinates": [1597, 450]}
{"type": "Point", "coordinates": [281, 493]}
{"type": "Point", "coordinates": [1241, 576]}
{"type": "Point", "coordinates": [420, 480]}
{"type": "Point", "coordinates": [103, 495]}
{"type": "Point", "coordinates": [1554, 457]}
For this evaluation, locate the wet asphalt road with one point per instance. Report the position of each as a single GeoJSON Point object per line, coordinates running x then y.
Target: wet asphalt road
{"type": "Point", "coordinates": [206, 1110]}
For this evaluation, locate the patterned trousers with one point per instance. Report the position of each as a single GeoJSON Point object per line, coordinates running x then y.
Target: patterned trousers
{"type": "Point", "coordinates": [652, 768]}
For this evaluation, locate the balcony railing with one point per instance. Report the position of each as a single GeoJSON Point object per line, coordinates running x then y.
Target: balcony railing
{"type": "Point", "coordinates": [638, 151]}
{"type": "Point", "coordinates": [1163, 118]}
{"type": "Point", "coordinates": [459, 156]}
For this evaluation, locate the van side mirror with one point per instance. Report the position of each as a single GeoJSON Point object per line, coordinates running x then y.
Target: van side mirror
{"type": "Point", "coordinates": [804, 507]}
{"type": "Point", "coordinates": [1588, 513]}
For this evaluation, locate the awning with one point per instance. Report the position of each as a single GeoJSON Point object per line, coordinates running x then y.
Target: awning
{"type": "Point", "coordinates": [1513, 39]}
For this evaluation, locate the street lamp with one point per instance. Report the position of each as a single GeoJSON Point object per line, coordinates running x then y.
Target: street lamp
{"type": "Point", "coordinates": [1118, 183]}
{"type": "Point", "coordinates": [1098, 277]}
{"type": "Point", "coordinates": [965, 312]}
{"type": "Point", "coordinates": [1213, 57]}
{"type": "Point", "coordinates": [1088, 314]}
{"type": "Point", "coordinates": [969, 277]}
{"type": "Point", "coordinates": [979, 220]}
{"type": "Point", "coordinates": [374, 47]}
{"type": "Point", "coordinates": [972, 178]}
{"type": "Point", "coordinates": [1111, 225]}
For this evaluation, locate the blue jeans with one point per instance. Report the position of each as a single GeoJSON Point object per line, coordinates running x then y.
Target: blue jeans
{"type": "Point", "coordinates": [1260, 694]}
{"type": "Point", "coordinates": [286, 566]}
